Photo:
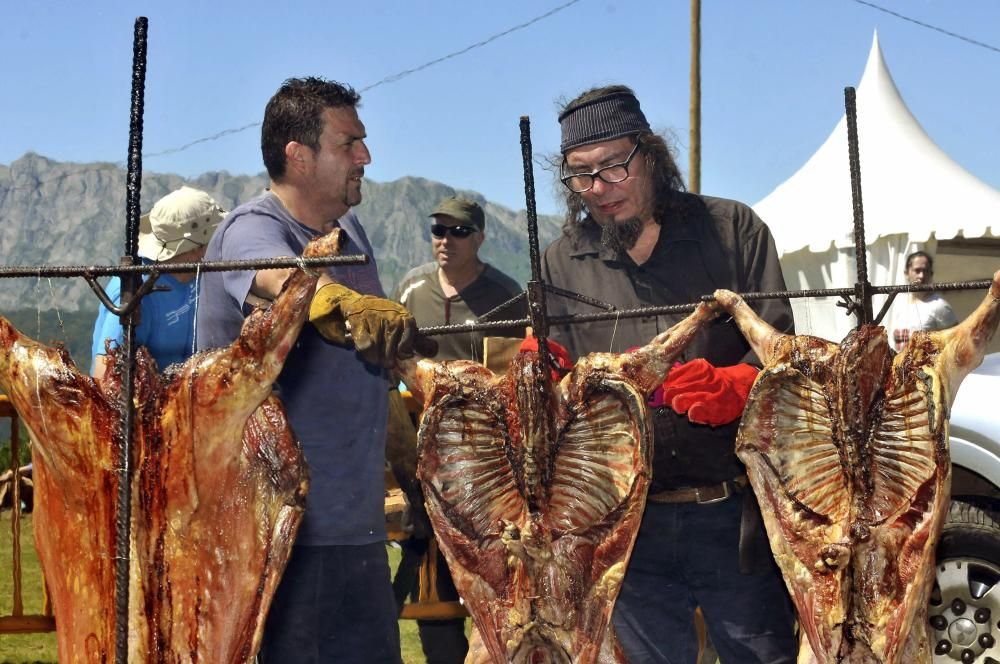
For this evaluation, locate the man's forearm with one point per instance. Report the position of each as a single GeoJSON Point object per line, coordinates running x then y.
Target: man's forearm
{"type": "Point", "coordinates": [268, 283]}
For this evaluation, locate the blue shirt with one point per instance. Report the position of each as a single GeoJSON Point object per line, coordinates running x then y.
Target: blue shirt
{"type": "Point", "coordinates": [166, 323]}
{"type": "Point", "coordinates": [337, 403]}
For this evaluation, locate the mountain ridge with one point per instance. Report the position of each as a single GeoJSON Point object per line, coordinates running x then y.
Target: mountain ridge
{"type": "Point", "coordinates": [67, 213]}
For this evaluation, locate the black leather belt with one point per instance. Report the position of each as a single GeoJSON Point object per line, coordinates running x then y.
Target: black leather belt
{"type": "Point", "coordinates": [703, 495]}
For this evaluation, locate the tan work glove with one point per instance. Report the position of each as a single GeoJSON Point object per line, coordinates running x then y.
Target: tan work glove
{"type": "Point", "coordinates": [381, 330]}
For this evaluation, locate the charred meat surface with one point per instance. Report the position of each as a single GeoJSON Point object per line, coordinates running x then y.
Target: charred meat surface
{"type": "Point", "coordinates": [218, 488]}
{"type": "Point", "coordinates": [535, 489]}
{"type": "Point", "coordinates": [846, 447]}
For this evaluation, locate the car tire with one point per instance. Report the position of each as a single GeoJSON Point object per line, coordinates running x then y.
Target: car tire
{"type": "Point", "coordinates": [965, 603]}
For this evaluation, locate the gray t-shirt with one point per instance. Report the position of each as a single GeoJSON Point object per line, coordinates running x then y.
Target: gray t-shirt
{"type": "Point", "coordinates": [910, 313]}
{"type": "Point", "coordinates": [337, 403]}
{"type": "Point", "coordinates": [421, 293]}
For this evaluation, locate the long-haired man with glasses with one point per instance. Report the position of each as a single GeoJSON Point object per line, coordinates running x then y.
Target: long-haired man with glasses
{"type": "Point", "coordinates": [634, 238]}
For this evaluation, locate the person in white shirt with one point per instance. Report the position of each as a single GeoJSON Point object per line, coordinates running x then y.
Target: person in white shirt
{"type": "Point", "coordinates": [924, 310]}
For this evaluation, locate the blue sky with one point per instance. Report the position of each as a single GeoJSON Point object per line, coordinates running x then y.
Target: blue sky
{"type": "Point", "coordinates": [773, 78]}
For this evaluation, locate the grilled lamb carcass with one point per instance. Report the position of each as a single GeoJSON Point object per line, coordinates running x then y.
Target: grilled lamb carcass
{"type": "Point", "coordinates": [846, 447]}
{"type": "Point", "coordinates": [218, 489]}
{"type": "Point", "coordinates": [536, 489]}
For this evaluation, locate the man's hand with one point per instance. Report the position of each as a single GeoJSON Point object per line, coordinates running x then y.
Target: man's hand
{"type": "Point", "coordinates": [709, 395]}
{"type": "Point", "coordinates": [381, 330]}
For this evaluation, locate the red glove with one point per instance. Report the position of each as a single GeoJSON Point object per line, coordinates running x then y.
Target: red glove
{"type": "Point", "coordinates": [556, 350]}
{"type": "Point", "coordinates": [656, 399]}
{"type": "Point", "coordinates": [709, 395]}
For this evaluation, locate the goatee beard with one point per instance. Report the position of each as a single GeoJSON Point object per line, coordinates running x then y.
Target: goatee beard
{"type": "Point", "coordinates": [621, 236]}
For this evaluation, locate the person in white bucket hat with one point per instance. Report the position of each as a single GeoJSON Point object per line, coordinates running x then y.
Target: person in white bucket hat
{"type": "Point", "coordinates": [179, 226]}
{"type": "Point", "coordinates": [176, 230]}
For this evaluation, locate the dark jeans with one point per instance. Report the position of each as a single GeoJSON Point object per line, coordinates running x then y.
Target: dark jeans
{"type": "Point", "coordinates": [334, 604]}
{"type": "Point", "coordinates": [686, 555]}
{"type": "Point", "coordinates": [444, 641]}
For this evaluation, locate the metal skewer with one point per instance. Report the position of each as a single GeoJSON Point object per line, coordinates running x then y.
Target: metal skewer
{"type": "Point", "coordinates": [129, 320]}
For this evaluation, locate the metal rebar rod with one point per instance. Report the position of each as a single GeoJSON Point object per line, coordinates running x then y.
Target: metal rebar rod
{"type": "Point", "coordinates": [946, 286]}
{"type": "Point", "coordinates": [483, 326]}
{"type": "Point", "coordinates": [537, 311]}
{"type": "Point", "coordinates": [255, 264]}
{"type": "Point", "coordinates": [863, 295]}
{"type": "Point", "coordinates": [130, 283]}
{"type": "Point", "coordinates": [570, 295]}
{"type": "Point", "coordinates": [529, 199]}
{"type": "Point", "coordinates": [503, 306]}
{"type": "Point", "coordinates": [575, 319]}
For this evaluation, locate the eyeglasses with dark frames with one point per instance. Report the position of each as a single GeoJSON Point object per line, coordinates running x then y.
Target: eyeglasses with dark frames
{"type": "Point", "coordinates": [579, 183]}
{"type": "Point", "coordinates": [440, 230]}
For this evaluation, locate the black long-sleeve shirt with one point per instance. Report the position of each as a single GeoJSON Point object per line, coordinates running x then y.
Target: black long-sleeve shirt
{"type": "Point", "coordinates": [716, 243]}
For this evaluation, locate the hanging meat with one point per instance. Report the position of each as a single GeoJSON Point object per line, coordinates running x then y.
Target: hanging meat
{"type": "Point", "coordinates": [218, 490]}
{"type": "Point", "coordinates": [535, 489]}
{"type": "Point", "coordinates": [846, 447]}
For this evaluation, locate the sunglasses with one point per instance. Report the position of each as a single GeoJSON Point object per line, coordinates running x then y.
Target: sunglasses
{"type": "Point", "coordinates": [440, 230]}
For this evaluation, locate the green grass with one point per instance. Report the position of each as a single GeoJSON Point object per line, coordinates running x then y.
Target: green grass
{"type": "Point", "coordinates": [41, 648]}
{"type": "Point", "coordinates": [22, 647]}
{"type": "Point", "coordinates": [409, 639]}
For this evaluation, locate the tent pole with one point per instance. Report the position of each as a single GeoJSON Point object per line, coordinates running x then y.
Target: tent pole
{"type": "Point", "coordinates": [694, 147]}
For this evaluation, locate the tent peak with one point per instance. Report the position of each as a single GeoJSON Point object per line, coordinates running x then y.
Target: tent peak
{"type": "Point", "coordinates": [911, 186]}
{"type": "Point", "coordinates": [876, 74]}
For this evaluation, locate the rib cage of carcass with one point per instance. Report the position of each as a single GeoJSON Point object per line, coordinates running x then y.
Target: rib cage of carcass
{"type": "Point", "coordinates": [846, 447]}
{"type": "Point", "coordinates": [219, 488]}
{"type": "Point", "coordinates": [536, 487]}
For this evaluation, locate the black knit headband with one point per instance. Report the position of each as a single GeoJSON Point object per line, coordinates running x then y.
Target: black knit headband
{"type": "Point", "coordinates": [602, 119]}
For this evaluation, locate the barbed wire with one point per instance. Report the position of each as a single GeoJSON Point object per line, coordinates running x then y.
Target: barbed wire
{"type": "Point", "coordinates": [206, 139]}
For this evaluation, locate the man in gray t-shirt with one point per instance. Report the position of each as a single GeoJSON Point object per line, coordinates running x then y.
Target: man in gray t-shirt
{"type": "Point", "coordinates": [334, 602]}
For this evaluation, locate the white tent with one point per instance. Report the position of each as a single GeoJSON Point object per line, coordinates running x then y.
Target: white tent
{"type": "Point", "coordinates": [913, 195]}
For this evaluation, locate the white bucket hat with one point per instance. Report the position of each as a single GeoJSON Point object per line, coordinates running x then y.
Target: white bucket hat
{"type": "Point", "coordinates": [181, 221]}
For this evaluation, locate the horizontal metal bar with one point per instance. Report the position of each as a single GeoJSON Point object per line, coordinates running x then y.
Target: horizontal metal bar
{"type": "Point", "coordinates": [436, 330]}
{"type": "Point", "coordinates": [574, 319]}
{"type": "Point", "coordinates": [173, 268]}
{"type": "Point", "coordinates": [281, 263]}
{"type": "Point", "coordinates": [946, 286]}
